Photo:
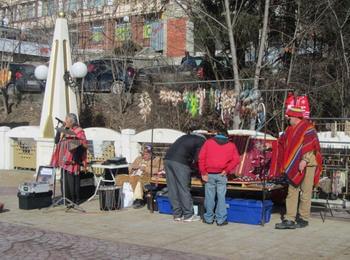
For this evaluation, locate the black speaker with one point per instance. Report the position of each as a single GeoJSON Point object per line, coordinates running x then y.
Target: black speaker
{"type": "Point", "coordinates": [109, 197]}
{"type": "Point", "coordinates": [87, 185]}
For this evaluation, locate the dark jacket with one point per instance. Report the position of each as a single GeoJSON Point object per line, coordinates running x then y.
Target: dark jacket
{"type": "Point", "coordinates": [185, 149]}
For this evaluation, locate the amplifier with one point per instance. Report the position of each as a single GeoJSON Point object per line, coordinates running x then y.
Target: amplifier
{"type": "Point", "coordinates": [34, 187]}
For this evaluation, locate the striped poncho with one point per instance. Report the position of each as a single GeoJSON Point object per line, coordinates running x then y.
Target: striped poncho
{"type": "Point", "coordinates": [293, 144]}
{"type": "Point", "coordinates": [70, 160]}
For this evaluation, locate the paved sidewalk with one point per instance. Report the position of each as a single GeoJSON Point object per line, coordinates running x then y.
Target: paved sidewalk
{"type": "Point", "coordinates": [18, 242]}
{"type": "Point", "coordinates": [141, 231]}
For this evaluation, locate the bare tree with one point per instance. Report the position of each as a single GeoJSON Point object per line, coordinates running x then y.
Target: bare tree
{"type": "Point", "coordinates": [258, 66]}
{"type": "Point", "coordinates": [6, 57]}
{"type": "Point", "coordinates": [229, 22]}
{"type": "Point", "coordinates": [340, 26]}
{"type": "Point", "coordinates": [5, 78]}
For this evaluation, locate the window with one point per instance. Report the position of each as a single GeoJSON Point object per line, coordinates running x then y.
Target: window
{"type": "Point", "coordinates": [97, 32]}
{"type": "Point", "coordinates": [94, 3]}
{"type": "Point", "coordinates": [52, 7]}
{"type": "Point", "coordinates": [73, 5]}
{"type": "Point", "coordinates": [40, 9]}
{"type": "Point", "coordinates": [122, 31]}
{"type": "Point", "coordinates": [147, 30]}
{"type": "Point", "coordinates": [19, 13]}
{"type": "Point", "coordinates": [30, 10]}
{"type": "Point", "coordinates": [44, 8]}
{"type": "Point", "coordinates": [99, 3]}
{"type": "Point", "coordinates": [49, 7]}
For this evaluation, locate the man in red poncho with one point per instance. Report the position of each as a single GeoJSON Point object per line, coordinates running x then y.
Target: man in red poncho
{"type": "Point", "coordinates": [70, 154]}
{"type": "Point", "coordinates": [300, 160]}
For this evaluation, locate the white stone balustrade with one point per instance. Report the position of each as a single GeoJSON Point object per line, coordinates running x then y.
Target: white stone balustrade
{"type": "Point", "coordinates": [127, 143]}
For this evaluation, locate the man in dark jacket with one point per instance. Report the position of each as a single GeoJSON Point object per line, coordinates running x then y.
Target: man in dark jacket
{"type": "Point", "coordinates": [178, 161]}
{"type": "Point", "coordinates": [217, 158]}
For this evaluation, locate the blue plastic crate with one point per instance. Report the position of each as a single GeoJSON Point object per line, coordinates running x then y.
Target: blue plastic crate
{"type": "Point", "coordinates": [164, 206]}
{"type": "Point", "coordinates": [248, 211]}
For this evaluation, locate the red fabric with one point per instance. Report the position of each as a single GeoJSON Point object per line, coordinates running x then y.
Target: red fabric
{"type": "Point", "coordinates": [216, 158]}
{"type": "Point", "coordinates": [64, 158]}
{"type": "Point", "coordinates": [249, 148]}
{"type": "Point", "coordinates": [293, 144]}
{"type": "Point", "coordinates": [274, 160]}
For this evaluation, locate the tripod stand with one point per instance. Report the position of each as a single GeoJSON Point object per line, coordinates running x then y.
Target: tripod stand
{"type": "Point", "coordinates": [64, 200]}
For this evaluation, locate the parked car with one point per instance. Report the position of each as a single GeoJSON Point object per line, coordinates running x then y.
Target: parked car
{"type": "Point", "coordinates": [222, 66]}
{"type": "Point", "coordinates": [162, 73]}
{"type": "Point", "coordinates": [100, 76]}
{"type": "Point", "coordinates": [23, 79]}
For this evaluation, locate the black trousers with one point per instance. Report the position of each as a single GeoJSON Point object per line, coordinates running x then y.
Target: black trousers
{"type": "Point", "coordinates": [72, 186]}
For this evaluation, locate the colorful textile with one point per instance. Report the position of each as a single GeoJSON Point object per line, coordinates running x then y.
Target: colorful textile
{"type": "Point", "coordinates": [70, 160]}
{"type": "Point", "coordinates": [293, 145]}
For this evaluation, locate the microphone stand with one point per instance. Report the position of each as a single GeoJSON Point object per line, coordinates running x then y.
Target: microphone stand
{"type": "Point", "coordinates": [53, 150]}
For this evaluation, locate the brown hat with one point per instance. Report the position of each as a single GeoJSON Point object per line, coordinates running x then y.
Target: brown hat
{"type": "Point", "coordinates": [295, 112]}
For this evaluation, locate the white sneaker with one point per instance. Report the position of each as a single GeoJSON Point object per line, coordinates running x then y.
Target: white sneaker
{"type": "Point", "coordinates": [178, 219]}
{"type": "Point", "coordinates": [192, 219]}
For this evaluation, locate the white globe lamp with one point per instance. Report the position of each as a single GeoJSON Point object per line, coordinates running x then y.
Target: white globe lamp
{"type": "Point", "coordinates": [126, 19]}
{"type": "Point", "coordinates": [41, 72]}
{"type": "Point", "coordinates": [78, 70]}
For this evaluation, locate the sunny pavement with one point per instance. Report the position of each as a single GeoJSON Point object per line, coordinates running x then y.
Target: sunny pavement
{"type": "Point", "coordinates": [161, 238]}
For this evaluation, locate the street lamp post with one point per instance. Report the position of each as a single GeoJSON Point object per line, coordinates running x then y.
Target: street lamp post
{"type": "Point", "coordinates": [74, 79]}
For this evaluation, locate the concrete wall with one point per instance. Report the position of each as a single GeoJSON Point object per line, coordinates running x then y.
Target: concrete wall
{"type": "Point", "coordinates": [4, 147]}
{"type": "Point", "coordinates": [339, 141]}
{"type": "Point", "coordinates": [22, 132]}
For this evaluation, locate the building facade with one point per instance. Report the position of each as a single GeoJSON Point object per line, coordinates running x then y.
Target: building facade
{"type": "Point", "coordinates": [104, 27]}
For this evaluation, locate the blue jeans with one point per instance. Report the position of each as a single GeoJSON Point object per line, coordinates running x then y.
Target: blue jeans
{"type": "Point", "coordinates": [216, 185]}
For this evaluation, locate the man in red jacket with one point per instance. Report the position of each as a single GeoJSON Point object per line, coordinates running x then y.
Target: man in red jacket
{"type": "Point", "coordinates": [217, 158]}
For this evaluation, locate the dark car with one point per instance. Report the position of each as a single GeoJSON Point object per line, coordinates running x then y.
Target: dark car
{"type": "Point", "coordinates": [162, 73]}
{"type": "Point", "coordinates": [207, 69]}
{"type": "Point", "coordinates": [108, 75]}
{"type": "Point", "coordinates": [23, 79]}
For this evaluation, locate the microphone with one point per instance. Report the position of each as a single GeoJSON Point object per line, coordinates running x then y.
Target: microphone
{"type": "Point", "coordinates": [59, 120]}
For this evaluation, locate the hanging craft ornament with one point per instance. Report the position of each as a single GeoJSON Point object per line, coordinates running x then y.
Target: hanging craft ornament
{"type": "Point", "coordinates": [228, 102]}
{"type": "Point", "coordinates": [186, 99]}
{"type": "Point", "coordinates": [217, 99]}
{"type": "Point", "coordinates": [201, 97]}
{"type": "Point", "coordinates": [145, 104]}
{"type": "Point", "coordinates": [172, 97]}
{"type": "Point", "coordinates": [176, 98]}
{"type": "Point", "coordinates": [211, 99]}
{"type": "Point", "coordinates": [249, 100]}
{"type": "Point", "coordinates": [163, 96]}
{"type": "Point", "coordinates": [194, 105]}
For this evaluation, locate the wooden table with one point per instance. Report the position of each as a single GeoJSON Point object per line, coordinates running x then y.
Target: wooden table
{"type": "Point", "coordinates": [231, 185]}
